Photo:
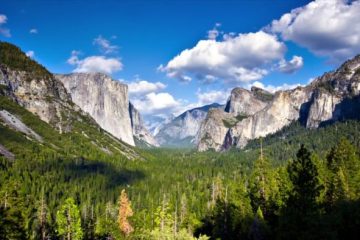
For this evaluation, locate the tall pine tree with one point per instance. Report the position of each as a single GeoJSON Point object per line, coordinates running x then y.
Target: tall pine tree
{"type": "Point", "coordinates": [68, 221]}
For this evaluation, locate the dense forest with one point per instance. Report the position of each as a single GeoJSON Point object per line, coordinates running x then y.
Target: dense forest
{"type": "Point", "coordinates": [297, 183]}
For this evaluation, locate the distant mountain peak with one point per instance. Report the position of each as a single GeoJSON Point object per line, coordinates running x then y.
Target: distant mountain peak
{"type": "Point", "coordinates": [182, 130]}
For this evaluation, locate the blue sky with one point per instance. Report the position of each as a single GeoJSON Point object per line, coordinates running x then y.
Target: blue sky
{"type": "Point", "coordinates": [143, 43]}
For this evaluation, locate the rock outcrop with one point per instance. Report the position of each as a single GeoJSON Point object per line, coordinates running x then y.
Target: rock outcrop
{"type": "Point", "coordinates": [183, 130]}
{"type": "Point", "coordinates": [140, 132]}
{"type": "Point", "coordinates": [253, 114]}
{"type": "Point", "coordinates": [244, 102]}
{"type": "Point", "coordinates": [213, 130]}
{"type": "Point", "coordinates": [15, 123]}
{"type": "Point", "coordinates": [42, 95]}
{"type": "Point", "coordinates": [104, 99]}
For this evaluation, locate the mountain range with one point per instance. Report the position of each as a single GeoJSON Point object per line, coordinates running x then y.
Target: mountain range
{"type": "Point", "coordinates": [63, 99]}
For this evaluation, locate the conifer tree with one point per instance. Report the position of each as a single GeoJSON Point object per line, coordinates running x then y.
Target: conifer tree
{"type": "Point", "coordinates": [299, 216]}
{"type": "Point", "coordinates": [68, 221]}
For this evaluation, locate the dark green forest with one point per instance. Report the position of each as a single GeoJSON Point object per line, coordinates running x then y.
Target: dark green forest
{"type": "Point", "coordinates": [297, 183]}
{"type": "Point", "coordinates": [84, 184]}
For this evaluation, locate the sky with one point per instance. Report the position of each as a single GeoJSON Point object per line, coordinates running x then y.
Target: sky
{"type": "Point", "coordinates": [175, 55]}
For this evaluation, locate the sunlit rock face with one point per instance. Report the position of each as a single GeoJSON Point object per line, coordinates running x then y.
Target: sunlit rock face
{"type": "Point", "coordinates": [182, 131]}
{"type": "Point", "coordinates": [103, 99]}
{"type": "Point", "coordinates": [44, 96]}
{"type": "Point", "coordinates": [257, 113]}
{"type": "Point", "coordinates": [139, 130]}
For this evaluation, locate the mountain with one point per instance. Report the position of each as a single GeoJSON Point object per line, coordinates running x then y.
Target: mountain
{"type": "Point", "coordinates": [182, 130]}
{"type": "Point", "coordinates": [106, 100]}
{"type": "Point", "coordinates": [257, 113]}
{"type": "Point", "coordinates": [33, 87]}
{"type": "Point", "coordinates": [38, 117]}
{"type": "Point", "coordinates": [141, 134]}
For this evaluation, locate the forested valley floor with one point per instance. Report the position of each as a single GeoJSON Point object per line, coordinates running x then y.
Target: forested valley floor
{"type": "Point", "coordinates": [295, 184]}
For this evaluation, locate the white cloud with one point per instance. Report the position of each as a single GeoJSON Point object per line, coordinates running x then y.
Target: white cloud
{"type": "Point", "coordinates": [4, 31]}
{"type": "Point", "coordinates": [95, 63]}
{"type": "Point", "coordinates": [30, 54]}
{"type": "Point", "coordinates": [236, 59]}
{"type": "Point", "coordinates": [272, 89]}
{"type": "Point", "coordinates": [74, 58]}
{"type": "Point", "coordinates": [328, 28]}
{"type": "Point", "coordinates": [3, 19]}
{"type": "Point", "coordinates": [33, 31]}
{"type": "Point", "coordinates": [140, 87]}
{"type": "Point", "coordinates": [213, 96]}
{"type": "Point", "coordinates": [105, 45]}
{"type": "Point", "coordinates": [214, 33]}
{"type": "Point", "coordinates": [155, 103]}
{"type": "Point", "coordinates": [291, 66]}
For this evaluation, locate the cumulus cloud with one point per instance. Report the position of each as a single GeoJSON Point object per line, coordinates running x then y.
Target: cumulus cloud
{"type": "Point", "coordinates": [272, 88]}
{"type": "Point", "coordinates": [33, 31]}
{"type": "Point", "coordinates": [156, 103]}
{"type": "Point", "coordinates": [94, 63]}
{"type": "Point", "coordinates": [328, 28]}
{"type": "Point", "coordinates": [4, 31]}
{"type": "Point", "coordinates": [213, 96]}
{"type": "Point", "coordinates": [105, 45]}
{"type": "Point", "coordinates": [291, 66]}
{"type": "Point", "coordinates": [141, 87]}
{"type": "Point", "coordinates": [30, 54]}
{"type": "Point", "coordinates": [241, 58]}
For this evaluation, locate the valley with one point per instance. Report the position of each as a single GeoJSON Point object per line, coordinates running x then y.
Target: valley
{"type": "Point", "coordinates": [59, 153]}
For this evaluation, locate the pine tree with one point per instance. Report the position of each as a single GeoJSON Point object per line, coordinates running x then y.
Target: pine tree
{"type": "Point", "coordinates": [68, 221]}
{"type": "Point", "coordinates": [303, 174]}
{"type": "Point", "coordinates": [299, 217]}
{"type": "Point", "coordinates": [344, 172]}
{"type": "Point", "coordinates": [259, 185]}
{"type": "Point", "coordinates": [125, 212]}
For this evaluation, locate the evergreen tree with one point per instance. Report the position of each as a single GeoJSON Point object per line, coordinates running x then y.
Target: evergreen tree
{"type": "Point", "coordinates": [344, 172]}
{"type": "Point", "coordinates": [260, 188]}
{"type": "Point", "coordinates": [68, 221]}
{"type": "Point", "coordinates": [299, 216]}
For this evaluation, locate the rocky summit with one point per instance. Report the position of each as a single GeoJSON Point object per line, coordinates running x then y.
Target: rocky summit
{"type": "Point", "coordinates": [141, 134]}
{"type": "Point", "coordinates": [257, 113]}
{"type": "Point", "coordinates": [104, 99]}
{"type": "Point", "coordinates": [182, 131]}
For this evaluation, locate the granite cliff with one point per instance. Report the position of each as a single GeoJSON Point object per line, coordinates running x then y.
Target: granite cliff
{"type": "Point", "coordinates": [103, 99]}
{"type": "Point", "coordinates": [141, 134]}
{"type": "Point", "coordinates": [257, 113]}
{"type": "Point", "coordinates": [182, 131]}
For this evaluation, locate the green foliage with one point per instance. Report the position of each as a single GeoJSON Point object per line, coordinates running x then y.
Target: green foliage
{"type": "Point", "coordinates": [12, 57]}
{"type": "Point", "coordinates": [68, 221]}
{"type": "Point", "coordinates": [221, 195]}
{"type": "Point", "coordinates": [241, 117]}
{"type": "Point", "coordinates": [298, 219]}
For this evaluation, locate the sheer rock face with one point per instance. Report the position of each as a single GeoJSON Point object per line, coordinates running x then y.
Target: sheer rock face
{"type": "Point", "coordinates": [138, 127]}
{"type": "Point", "coordinates": [45, 97]}
{"type": "Point", "coordinates": [322, 108]}
{"type": "Point", "coordinates": [279, 113]}
{"type": "Point", "coordinates": [243, 102]}
{"type": "Point", "coordinates": [103, 99]}
{"type": "Point", "coordinates": [183, 130]}
{"type": "Point", "coordinates": [213, 131]}
{"type": "Point", "coordinates": [332, 97]}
